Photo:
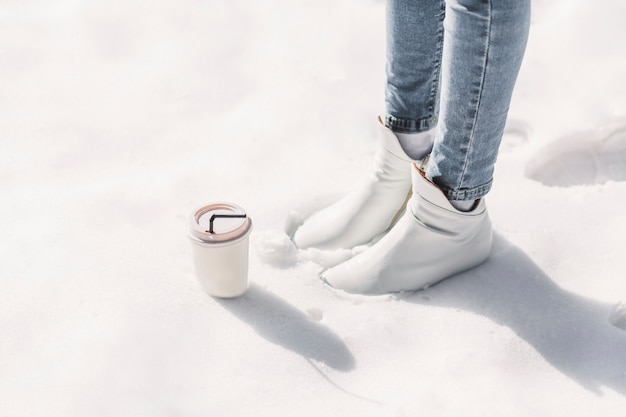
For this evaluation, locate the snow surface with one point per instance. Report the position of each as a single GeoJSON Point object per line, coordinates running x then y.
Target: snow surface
{"type": "Point", "coordinates": [119, 117]}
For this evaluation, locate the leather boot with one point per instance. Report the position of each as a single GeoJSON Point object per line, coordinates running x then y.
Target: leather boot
{"type": "Point", "coordinates": [367, 210]}
{"type": "Point", "coordinates": [432, 241]}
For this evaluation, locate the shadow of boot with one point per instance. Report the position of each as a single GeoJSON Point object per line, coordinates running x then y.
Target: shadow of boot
{"type": "Point", "coordinates": [574, 334]}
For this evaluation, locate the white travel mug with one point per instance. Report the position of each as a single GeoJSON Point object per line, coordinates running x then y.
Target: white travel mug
{"type": "Point", "coordinates": [219, 233]}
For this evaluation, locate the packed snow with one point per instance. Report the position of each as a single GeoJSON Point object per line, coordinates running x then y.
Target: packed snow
{"type": "Point", "coordinates": [120, 117]}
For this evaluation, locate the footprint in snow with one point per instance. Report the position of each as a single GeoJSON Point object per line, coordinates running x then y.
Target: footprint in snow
{"type": "Point", "coordinates": [618, 316]}
{"type": "Point", "coordinates": [584, 158]}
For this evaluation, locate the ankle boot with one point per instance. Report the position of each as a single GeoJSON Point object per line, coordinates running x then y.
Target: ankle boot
{"type": "Point", "coordinates": [367, 210]}
{"type": "Point", "coordinates": [432, 241]}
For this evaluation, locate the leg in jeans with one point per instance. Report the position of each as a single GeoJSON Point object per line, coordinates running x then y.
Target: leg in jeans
{"type": "Point", "coordinates": [484, 45]}
{"type": "Point", "coordinates": [483, 48]}
{"type": "Point", "coordinates": [414, 43]}
{"type": "Point", "coordinates": [414, 48]}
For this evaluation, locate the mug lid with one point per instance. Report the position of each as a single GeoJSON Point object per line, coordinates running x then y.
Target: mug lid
{"type": "Point", "coordinates": [219, 223]}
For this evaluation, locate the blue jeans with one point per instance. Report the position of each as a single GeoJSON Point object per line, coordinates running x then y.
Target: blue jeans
{"type": "Point", "coordinates": [461, 87]}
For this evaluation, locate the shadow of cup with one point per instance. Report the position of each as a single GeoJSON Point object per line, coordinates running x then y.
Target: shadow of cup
{"type": "Point", "coordinates": [282, 324]}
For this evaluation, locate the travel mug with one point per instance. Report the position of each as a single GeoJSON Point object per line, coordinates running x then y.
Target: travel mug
{"type": "Point", "coordinates": [219, 233]}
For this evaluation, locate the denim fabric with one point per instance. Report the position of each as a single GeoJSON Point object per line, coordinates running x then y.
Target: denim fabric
{"type": "Point", "coordinates": [461, 87]}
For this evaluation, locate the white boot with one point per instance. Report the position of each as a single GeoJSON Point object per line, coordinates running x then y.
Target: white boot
{"type": "Point", "coordinates": [432, 241]}
{"type": "Point", "coordinates": [370, 208]}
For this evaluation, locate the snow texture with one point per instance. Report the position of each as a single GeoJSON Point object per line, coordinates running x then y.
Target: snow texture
{"type": "Point", "coordinates": [120, 117]}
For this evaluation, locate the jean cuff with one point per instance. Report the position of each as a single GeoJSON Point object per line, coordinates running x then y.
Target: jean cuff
{"type": "Point", "coordinates": [409, 125]}
{"type": "Point", "coordinates": [469, 194]}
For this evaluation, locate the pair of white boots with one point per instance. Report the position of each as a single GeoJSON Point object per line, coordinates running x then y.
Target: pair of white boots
{"type": "Point", "coordinates": [425, 242]}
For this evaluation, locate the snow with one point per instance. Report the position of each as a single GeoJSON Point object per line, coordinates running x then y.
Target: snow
{"type": "Point", "coordinates": [120, 117]}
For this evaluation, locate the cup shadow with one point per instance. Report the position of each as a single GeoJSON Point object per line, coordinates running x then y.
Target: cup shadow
{"type": "Point", "coordinates": [282, 324]}
{"type": "Point", "coordinates": [571, 332]}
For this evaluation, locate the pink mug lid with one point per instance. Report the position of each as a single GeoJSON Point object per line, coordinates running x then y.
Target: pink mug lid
{"type": "Point", "coordinates": [219, 223]}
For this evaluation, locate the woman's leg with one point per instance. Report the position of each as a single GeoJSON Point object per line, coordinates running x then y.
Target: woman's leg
{"type": "Point", "coordinates": [414, 47]}
{"type": "Point", "coordinates": [414, 42]}
{"type": "Point", "coordinates": [484, 45]}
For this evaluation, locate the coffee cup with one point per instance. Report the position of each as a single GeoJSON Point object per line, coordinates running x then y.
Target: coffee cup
{"type": "Point", "coordinates": [219, 234]}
